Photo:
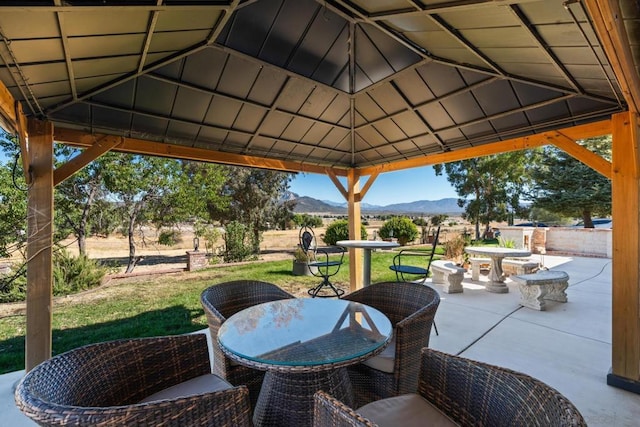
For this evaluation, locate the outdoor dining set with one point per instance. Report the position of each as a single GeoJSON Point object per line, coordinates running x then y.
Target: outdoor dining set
{"type": "Point", "coordinates": [360, 360]}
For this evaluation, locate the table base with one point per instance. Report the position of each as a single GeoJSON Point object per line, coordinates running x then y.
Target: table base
{"type": "Point", "coordinates": [286, 399]}
{"type": "Point", "coordinates": [497, 287]}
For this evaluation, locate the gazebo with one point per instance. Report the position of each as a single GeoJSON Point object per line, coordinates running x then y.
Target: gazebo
{"type": "Point", "coordinates": [347, 88]}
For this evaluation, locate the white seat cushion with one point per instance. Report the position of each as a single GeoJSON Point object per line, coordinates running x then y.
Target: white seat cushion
{"type": "Point", "coordinates": [407, 410]}
{"type": "Point", "coordinates": [198, 385]}
{"type": "Point", "coordinates": [384, 361]}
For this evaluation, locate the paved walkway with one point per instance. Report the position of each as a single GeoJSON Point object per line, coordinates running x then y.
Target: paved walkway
{"type": "Point", "coordinates": [568, 346]}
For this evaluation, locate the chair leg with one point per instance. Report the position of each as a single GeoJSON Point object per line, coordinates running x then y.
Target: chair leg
{"type": "Point", "coordinates": [315, 291]}
{"type": "Point", "coordinates": [435, 327]}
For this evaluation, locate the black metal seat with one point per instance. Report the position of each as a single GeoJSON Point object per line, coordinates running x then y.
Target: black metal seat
{"type": "Point", "coordinates": [401, 267]}
{"type": "Point", "coordinates": [322, 263]}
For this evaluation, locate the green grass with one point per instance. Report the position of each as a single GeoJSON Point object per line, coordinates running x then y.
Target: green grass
{"type": "Point", "coordinates": [156, 305]}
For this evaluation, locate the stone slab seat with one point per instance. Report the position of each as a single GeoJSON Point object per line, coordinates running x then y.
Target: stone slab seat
{"type": "Point", "coordinates": [476, 265]}
{"type": "Point", "coordinates": [519, 266]}
{"type": "Point", "coordinates": [543, 285]}
{"type": "Point", "coordinates": [447, 273]}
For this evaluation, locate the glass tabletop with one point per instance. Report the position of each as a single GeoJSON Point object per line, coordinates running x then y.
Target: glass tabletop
{"type": "Point", "coordinates": [305, 332]}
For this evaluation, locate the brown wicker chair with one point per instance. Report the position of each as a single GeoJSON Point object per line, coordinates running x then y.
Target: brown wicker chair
{"type": "Point", "coordinates": [469, 393]}
{"type": "Point", "coordinates": [411, 308]}
{"type": "Point", "coordinates": [105, 384]}
{"type": "Point", "coordinates": [220, 302]}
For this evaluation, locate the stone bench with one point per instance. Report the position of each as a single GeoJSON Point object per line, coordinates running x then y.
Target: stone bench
{"type": "Point", "coordinates": [448, 274]}
{"type": "Point", "coordinates": [477, 264]}
{"type": "Point", "coordinates": [545, 284]}
{"type": "Point", "coordinates": [518, 266]}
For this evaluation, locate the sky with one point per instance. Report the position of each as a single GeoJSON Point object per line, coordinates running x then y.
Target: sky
{"type": "Point", "coordinates": [403, 186]}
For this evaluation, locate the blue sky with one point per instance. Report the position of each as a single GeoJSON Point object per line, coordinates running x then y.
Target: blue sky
{"type": "Point", "coordinates": [388, 188]}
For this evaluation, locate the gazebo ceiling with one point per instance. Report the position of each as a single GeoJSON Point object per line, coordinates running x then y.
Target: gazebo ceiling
{"type": "Point", "coordinates": [331, 83]}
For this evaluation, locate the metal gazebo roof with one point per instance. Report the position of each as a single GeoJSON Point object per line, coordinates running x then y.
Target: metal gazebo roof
{"type": "Point", "coordinates": [333, 83]}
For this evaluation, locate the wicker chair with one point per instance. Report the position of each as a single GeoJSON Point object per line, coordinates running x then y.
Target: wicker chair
{"type": "Point", "coordinates": [462, 391]}
{"type": "Point", "coordinates": [144, 381]}
{"type": "Point", "coordinates": [220, 302]}
{"type": "Point", "coordinates": [411, 308]}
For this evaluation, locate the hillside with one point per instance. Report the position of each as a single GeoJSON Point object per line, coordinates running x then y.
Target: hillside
{"type": "Point", "coordinates": [448, 206]}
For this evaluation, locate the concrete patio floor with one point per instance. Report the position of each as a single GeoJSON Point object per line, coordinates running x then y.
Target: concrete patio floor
{"type": "Point", "coordinates": [568, 346]}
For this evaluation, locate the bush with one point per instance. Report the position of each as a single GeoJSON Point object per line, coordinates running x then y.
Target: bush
{"type": "Point", "coordinates": [339, 230]}
{"type": "Point", "coordinates": [74, 274]}
{"type": "Point", "coordinates": [402, 228]}
{"type": "Point", "coordinates": [169, 237]}
{"type": "Point", "coordinates": [237, 239]}
{"type": "Point", "coordinates": [70, 275]}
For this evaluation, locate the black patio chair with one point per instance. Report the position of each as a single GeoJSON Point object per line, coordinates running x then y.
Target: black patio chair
{"type": "Point", "coordinates": [404, 262]}
{"type": "Point", "coordinates": [322, 262]}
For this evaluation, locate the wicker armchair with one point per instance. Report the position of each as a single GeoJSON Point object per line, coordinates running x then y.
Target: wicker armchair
{"type": "Point", "coordinates": [145, 382]}
{"type": "Point", "coordinates": [220, 302]}
{"type": "Point", "coordinates": [463, 392]}
{"type": "Point", "coordinates": [411, 308]}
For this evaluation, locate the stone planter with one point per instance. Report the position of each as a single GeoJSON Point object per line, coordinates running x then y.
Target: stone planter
{"type": "Point", "coordinates": [300, 268]}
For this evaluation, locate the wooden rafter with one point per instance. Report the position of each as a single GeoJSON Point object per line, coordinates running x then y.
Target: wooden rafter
{"type": "Point", "coordinates": [577, 132]}
{"type": "Point", "coordinates": [607, 21]}
{"type": "Point", "coordinates": [101, 146]}
{"type": "Point", "coordinates": [589, 158]}
{"type": "Point", "coordinates": [149, 148]}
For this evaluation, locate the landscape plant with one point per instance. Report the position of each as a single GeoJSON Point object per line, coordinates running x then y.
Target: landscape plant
{"type": "Point", "coordinates": [339, 230]}
{"type": "Point", "coordinates": [401, 228]}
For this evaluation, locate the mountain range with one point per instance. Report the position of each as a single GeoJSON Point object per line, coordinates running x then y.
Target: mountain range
{"type": "Point", "coordinates": [449, 206]}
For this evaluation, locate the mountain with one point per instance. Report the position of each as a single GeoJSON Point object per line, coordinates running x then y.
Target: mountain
{"type": "Point", "coordinates": [448, 206]}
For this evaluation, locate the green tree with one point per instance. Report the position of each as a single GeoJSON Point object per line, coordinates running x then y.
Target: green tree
{"type": "Point", "coordinates": [567, 186]}
{"type": "Point", "coordinates": [255, 199]}
{"type": "Point", "coordinates": [489, 187]}
{"type": "Point", "coordinates": [138, 184]}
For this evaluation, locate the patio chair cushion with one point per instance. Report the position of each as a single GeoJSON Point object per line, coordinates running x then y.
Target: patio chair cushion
{"type": "Point", "coordinates": [384, 361]}
{"type": "Point", "coordinates": [198, 385]}
{"type": "Point", "coordinates": [407, 410]}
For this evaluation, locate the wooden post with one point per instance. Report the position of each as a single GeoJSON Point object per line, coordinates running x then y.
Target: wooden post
{"type": "Point", "coordinates": [355, 254]}
{"type": "Point", "coordinates": [625, 371]}
{"type": "Point", "coordinates": [39, 244]}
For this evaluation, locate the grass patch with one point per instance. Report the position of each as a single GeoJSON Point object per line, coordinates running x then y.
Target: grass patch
{"type": "Point", "coordinates": [156, 305]}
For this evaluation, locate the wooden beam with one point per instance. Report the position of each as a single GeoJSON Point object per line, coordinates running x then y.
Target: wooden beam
{"type": "Point", "coordinates": [577, 151]}
{"type": "Point", "coordinates": [150, 148]}
{"type": "Point", "coordinates": [625, 347]}
{"type": "Point", "coordinates": [354, 214]}
{"type": "Point", "coordinates": [21, 130]}
{"type": "Point", "coordinates": [8, 118]}
{"type": "Point", "coordinates": [101, 146]}
{"type": "Point", "coordinates": [609, 26]}
{"type": "Point", "coordinates": [39, 244]}
{"type": "Point", "coordinates": [337, 183]}
{"type": "Point", "coordinates": [368, 185]}
{"type": "Point", "coordinates": [577, 132]}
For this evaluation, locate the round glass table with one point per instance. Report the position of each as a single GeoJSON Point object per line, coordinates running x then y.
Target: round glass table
{"type": "Point", "coordinates": [304, 345]}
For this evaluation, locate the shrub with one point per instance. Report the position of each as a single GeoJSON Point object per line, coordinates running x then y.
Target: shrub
{"type": "Point", "coordinates": [237, 239]}
{"type": "Point", "coordinates": [70, 275]}
{"type": "Point", "coordinates": [339, 230]}
{"type": "Point", "coordinates": [169, 237]}
{"type": "Point", "coordinates": [402, 228]}
{"type": "Point", "coordinates": [454, 249]}
{"type": "Point", "coordinates": [74, 274]}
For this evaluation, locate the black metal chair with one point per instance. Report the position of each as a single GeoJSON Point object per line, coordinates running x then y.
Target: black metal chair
{"type": "Point", "coordinates": [402, 268]}
{"type": "Point", "coordinates": [322, 263]}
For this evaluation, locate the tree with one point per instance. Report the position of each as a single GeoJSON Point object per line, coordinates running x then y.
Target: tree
{"type": "Point", "coordinates": [566, 186]}
{"type": "Point", "coordinates": [402, 228]}
{"type": "Point", "coordinates": [77, 196]}
{"type": "Point", "coordinates": [255, 200]}
{"type": "Point", "coordinates": [138, 184]}
{"type": "Point", "coordinates": [489, 187]}
{"type": "Point", "coordinates": [13, 199]}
